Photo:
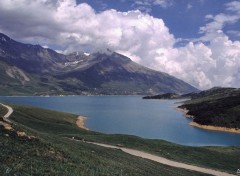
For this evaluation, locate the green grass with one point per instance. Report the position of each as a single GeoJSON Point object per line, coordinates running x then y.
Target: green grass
{"type": "Point", "coordinates": [220, 158]}
{"type": "Point", "coordinates": [56, 156]}
{"type": "Point", "coordinates": [3, 110]}
{"type": "Point", "coordinates": [52, 154]}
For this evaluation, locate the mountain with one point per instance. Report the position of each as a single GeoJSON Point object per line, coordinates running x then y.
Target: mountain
{"type": "Point", "coordinates": [33, 70]}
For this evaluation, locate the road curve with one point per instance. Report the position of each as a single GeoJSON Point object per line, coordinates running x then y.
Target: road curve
{"type": "Point", "coordinates": [6, 116]}
{"type": "Point", "coordinates": [165, 161]}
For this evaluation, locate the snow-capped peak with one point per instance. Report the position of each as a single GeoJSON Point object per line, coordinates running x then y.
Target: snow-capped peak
{"type": "Point", "coordinates": [86, 54]}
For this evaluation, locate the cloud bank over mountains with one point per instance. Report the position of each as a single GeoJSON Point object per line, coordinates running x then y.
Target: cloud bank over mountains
{"type": "Point", "coordinates": [210, 60]}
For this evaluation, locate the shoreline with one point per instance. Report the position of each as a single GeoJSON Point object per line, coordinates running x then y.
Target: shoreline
{"type": "Point", "coordinates": [47, 96]}
{"type": "Point", "coordinates": [207, 127]}
{"type": "Point", "coordinates": [215, 128]}
{"type": "Point", "coordinates": [81, 122]}
{"type": "Point", "coordinates": [184, 111]}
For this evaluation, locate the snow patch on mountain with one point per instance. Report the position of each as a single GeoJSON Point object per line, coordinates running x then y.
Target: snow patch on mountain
{"type": "Point", "coordinates": [86, 54]}
{"type": "Point", "coordinates": [72, 63]}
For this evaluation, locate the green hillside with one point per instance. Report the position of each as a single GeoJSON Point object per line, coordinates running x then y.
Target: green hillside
{"type": "Point", "coordinates": [51, 152]}
{"type": "Point", "coordinates": [216, 107]}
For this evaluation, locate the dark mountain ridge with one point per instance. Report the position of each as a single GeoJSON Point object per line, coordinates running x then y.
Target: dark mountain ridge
{"type": "Point", "coordinates": [32, 69]}
{"type": "Point", "coordinates": [30, 58]}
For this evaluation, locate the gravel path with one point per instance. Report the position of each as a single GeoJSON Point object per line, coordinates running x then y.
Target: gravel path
{"type": "Point", "coordinates": [6, 116]}
{"type": "Point", "coordinates": [165, 161]}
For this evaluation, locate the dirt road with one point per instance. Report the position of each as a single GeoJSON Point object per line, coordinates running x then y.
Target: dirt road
{"type": "Point", "coordinates": [6, 116]}
{"type": "Point", "coordinates": [165, 161]}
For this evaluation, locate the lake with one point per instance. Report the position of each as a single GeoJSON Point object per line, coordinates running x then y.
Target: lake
{"type": "Point", "coordinates": [153, 119]}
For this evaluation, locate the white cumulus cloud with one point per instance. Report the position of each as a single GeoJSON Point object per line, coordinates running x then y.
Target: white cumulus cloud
{"type": "Point", "coordinates": [211, 60]}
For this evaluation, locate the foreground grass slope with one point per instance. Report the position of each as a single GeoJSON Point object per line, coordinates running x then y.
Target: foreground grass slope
{"type": "Point", "coordinates": [55, 156]}
{"type": "Point", "coordinates": [52, 153]}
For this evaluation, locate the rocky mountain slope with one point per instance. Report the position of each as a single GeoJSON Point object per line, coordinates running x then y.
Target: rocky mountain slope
{"type": "Point", "coordinates": [33, 70]}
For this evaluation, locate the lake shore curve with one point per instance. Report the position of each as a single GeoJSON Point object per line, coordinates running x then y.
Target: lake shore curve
{"type": "Point", "coordinates": [207, 127]}
{"type": "Point", "coordinates": [81, 122]}
{"type": "Point", "coordinates": [215, 128]}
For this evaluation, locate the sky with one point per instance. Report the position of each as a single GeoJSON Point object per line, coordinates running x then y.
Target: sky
{"type": "Point", "coordinates": [197, 41]}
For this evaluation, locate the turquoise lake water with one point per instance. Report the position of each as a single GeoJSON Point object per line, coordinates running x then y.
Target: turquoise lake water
{"type": "Point", "coordinates": [154, 119]}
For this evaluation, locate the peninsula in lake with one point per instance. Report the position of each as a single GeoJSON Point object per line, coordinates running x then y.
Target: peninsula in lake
{"type": "Point", "coordinates": [214, 109]}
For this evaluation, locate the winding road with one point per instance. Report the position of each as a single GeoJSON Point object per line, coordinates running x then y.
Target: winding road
{"type": "Point", "coordinates": [6, 116]}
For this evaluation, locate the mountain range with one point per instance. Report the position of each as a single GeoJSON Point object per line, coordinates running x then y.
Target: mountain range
{"type": "Point", "coordinates": [27, 69]}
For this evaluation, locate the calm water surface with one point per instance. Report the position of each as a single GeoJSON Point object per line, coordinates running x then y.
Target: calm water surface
{"type": "Point", "coordinates": [155, 119]}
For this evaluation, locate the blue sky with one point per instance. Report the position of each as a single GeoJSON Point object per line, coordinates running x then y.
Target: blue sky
{"type": "Point", "coordinates": [197, 41]}
{"type": "Point", "coordinates": [182, 17]}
